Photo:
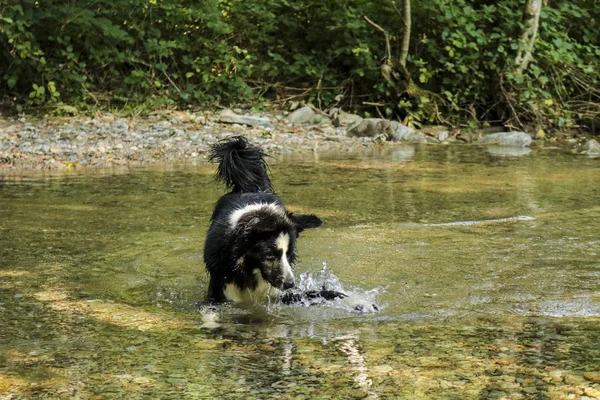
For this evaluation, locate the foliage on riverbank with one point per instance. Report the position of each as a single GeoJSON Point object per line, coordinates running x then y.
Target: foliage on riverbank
{"type": "Point", "coordinates": [461, 60]}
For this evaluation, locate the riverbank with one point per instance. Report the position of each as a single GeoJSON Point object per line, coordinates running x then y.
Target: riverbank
{"type": "Point", "coordinates": [106, 140]}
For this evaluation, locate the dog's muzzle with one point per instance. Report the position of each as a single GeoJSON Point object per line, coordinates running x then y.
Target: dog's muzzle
{"type": "Point", "coordinates": [288, 282]}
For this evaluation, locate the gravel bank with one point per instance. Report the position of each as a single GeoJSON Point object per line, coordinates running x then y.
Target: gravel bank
{"type": "Point", "coordinates": [106, 140]}
{"type": "Point", "coordinates": [176, 136]}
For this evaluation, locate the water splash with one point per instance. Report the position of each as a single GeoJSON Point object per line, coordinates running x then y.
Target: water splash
{"type": "Point", "coordinates": [325, 280]}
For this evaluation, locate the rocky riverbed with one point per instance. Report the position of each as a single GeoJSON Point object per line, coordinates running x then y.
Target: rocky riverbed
{"type": "Point", "coordinates": [107, 140]}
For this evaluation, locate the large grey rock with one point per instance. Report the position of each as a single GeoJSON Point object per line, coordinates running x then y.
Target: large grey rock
{"type": "Point", "coordinates": [303, 115]}
{"type": "Point", "coordinates": [306, 115]}
{"type": "Point", "coordinates": [509, 139]}
{"type": "Point", "coordinates": [229, 117]}
{"type": "Point", "coordinates": [344, 119]}
{"type": "Point", "coordinates": [591, 147]}
{"type": "Point", "coordinates": [370, 127]}
{"type": "Point", "coordinates": [403, 133]}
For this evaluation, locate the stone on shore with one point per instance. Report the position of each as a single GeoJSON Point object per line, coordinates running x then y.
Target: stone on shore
{"type": "Point", "coordinates": [403, 133]}
{"type": "Point", "coordinates": [436, 134]}
{"type": "Point", "coordinates": [382, 128]}
{"type": "Point", "coordinates": [305, 115]}
{"type": "Point", "coordinates": [509, 139]}
{"type": "Point", "coordinates": [591, 147]}
{"type": "Point", "coordinates": [345, 119]}
{"type": "Point", "coordinates": [230, 117]}
{"type": "Point", "coordinates": [370, 127]}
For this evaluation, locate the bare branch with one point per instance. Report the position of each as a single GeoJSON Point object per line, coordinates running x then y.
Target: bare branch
{"type": "Point", "coordinates": [508, 99]}
{"type": "Point", "coordinates": [396, 8]}
{"type": "Point", "coordinates": [171, 81]}
{"type": "Point", "coordinates": [387, 40]}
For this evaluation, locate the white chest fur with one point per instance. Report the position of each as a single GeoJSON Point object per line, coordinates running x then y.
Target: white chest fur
{"type": "Point", "coordinates": [260, 293]}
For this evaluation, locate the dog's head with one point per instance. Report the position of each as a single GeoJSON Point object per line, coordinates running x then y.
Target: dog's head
{"type": "Point", "coordinates": [266, 242]}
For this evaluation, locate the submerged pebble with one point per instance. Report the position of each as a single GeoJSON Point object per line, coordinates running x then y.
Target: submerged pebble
{"type": "Point", "coordinates": [593, 376]}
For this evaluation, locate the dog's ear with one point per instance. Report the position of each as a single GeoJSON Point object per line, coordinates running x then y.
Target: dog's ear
{"type": "Point", "coordinates": [253, 228]}
{"type": "Point", "coordinates": [305, 221]}
{"type": "Point", "coordinates": [259, 224]}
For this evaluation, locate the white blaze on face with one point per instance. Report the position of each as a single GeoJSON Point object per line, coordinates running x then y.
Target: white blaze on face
{"type": "Point", "coordinates": [283, 243]}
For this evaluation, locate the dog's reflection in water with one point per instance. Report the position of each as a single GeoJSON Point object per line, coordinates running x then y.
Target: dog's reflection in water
{"type": "Point", "coordinates": [281, 339]}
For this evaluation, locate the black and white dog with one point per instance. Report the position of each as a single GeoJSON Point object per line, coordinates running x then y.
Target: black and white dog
{"type": "Point", "coordinates": [251, 243]}
{"type": "Point", "coordinates": [250, 247]}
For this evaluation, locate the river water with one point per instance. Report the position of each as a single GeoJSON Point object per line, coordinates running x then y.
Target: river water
{"type": "Point", "coordinates": [486, 267]}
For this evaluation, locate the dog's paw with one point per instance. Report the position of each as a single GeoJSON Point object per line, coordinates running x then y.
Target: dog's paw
{"type": "Point", "coordinates": [359, 304]}
{"type": "Point", "coordinates": [209, 313]}
{"type": "Point", "coordinates": [367, 307]}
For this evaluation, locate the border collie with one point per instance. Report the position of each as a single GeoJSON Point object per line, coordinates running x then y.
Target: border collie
{"type": "Point", "coordinates": [250, 247]}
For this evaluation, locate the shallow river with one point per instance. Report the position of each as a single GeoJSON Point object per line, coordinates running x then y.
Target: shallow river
{"type": "Point", "coordinates": [486, 268]}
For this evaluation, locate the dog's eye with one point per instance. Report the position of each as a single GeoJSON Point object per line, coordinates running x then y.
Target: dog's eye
{"type": "Point", "coordinates": [271, 258]}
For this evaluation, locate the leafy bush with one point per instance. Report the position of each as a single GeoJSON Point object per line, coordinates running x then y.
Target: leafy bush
{"type": "Point", "coordinates": [132, 49]}
{"type": "Point", "coordinates": [461, 57]}
{"type": "Point", "coordinates": [560, 87]}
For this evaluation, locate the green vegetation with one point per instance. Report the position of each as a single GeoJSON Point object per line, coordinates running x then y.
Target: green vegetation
{"type": "Point", "coordinates": [461, 57]}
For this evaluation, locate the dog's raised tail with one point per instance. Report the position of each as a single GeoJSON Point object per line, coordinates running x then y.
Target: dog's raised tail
{"type": "Point", "coordinates": [242, 166]}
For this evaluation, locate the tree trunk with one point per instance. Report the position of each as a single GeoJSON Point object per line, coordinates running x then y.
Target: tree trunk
{"type": "Point", "coordinates": [405, 34]}
{"type": "Point", "coordinates": [527, 41]}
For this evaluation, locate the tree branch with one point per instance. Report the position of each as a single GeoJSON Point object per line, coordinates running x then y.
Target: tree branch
{"type": "Point", "coordinates": [387, 40]}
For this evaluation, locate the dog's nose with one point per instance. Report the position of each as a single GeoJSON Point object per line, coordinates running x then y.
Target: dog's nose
{"type": "Point", "coordinates": [288, 284]}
